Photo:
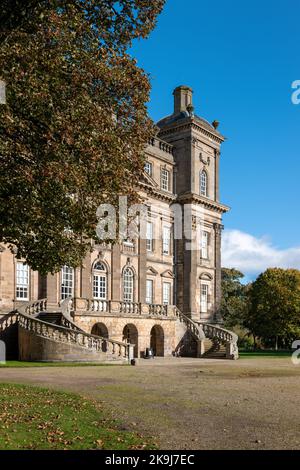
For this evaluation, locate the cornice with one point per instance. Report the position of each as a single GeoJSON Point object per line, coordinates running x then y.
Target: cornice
{"type": "Point", "coordinates": [193, 198]}
{"type": "Point", "coordinates": [168, 197]}
{"type": "Point", "coordinates": [191, 124]}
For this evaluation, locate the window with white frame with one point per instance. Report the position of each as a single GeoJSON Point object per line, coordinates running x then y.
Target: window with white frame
{"type": "Point", "coordinates": [99, 281]}
{"type": "Point", "coordinates": [166, 293]}
{"type": "Point", "coordinates": [166, 240]}
{"type": "Point", "coordinates": [67, 282]}
{"type": "Point", "coordinates": [165, 179]}
{"type": "Point", "coordinates": [22, 281]}
{"type": "Point", "coordinates": [149, 236]}
{"type": "Point", "coordinates": [204, 245]}
{"type": "Point", "coordinates": [128, 280]}
{"type": "Point", "coordinates": [149, 168]}
{"type": "Point", "coordinates": [203, 183]}
{"type": "Point", "coordinates": [149, 291]}
{"type": "Point", "coordinates": [204, 298]}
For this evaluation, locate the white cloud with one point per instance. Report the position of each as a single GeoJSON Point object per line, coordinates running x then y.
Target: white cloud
{"type": "Point", "coordinates": [254, 255]}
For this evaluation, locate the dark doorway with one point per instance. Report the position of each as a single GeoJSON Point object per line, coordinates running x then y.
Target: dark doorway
{"type": "Point", "coordinates": [157, 341]}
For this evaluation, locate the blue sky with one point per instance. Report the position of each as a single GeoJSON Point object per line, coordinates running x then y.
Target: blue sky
{"type": "Point", "coordinates": [241, 59]}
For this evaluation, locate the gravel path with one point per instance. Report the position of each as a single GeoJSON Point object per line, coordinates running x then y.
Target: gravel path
{"type": "Point", "coordinates": [191, 403]}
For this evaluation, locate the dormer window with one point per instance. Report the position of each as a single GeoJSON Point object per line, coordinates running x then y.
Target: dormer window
{"type": "Point", "coordinates": [149, 168]}
{"type": "Point", "coordinates": [203, 183]}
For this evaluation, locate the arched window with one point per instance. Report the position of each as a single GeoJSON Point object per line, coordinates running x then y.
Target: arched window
{"type": "Point", "coordinates": [67, 282]}
{"type": "Point", "coordinates": [128, 282]}
{"type": "Point", "coordinates": [203, 183]}
{"type": "Point", "coordinates": [99, 281]}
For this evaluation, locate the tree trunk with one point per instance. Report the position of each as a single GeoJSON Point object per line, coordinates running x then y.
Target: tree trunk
{"type": "Point", "coordinates": [276, 343]}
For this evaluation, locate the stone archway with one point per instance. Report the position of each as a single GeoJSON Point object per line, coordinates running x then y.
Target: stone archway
{"type": "Point", "coordinates": [99, 329]}
{"type": "Point", "coordinates": [157, 338]}
{"type": "Point", "coordinates": [130, 335]}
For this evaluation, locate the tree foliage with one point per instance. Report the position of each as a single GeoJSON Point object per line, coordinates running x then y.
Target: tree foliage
{"type": "Point", "coordinates": [72, 135]}
{"type": "Point", "coordinates": [275, 304]}
{"type": "Point", "coordinates": [234, 301]}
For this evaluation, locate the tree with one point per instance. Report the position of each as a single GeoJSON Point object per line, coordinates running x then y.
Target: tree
{"type": "Point", "coordinates": [234, 298]}
{"type": "Point", "coordinates": [73, 133]}
{"type": "Point", "coordinates": [275, 305]}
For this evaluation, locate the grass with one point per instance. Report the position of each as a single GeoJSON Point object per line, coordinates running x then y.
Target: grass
{"type": "Point", "coordinates": [264, 354]}
{"type": "Point", "coordinates": [37, 418]}
{"type": "Point", "coordinates": [54, 364]}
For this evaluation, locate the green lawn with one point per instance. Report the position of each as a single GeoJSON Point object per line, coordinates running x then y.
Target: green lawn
{"type": "Point", "coordinates": [54, 364]}
{"type": "Point", "coordinates": [264, 354]}
{"type": "Point", "coordinates": [36, 418]}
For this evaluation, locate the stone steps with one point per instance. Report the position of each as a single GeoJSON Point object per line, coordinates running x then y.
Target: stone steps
{"type": "Point", "coordinates": [50, 317]}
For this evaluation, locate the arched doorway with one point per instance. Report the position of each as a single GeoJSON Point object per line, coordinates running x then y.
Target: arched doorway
{"type": "Point", "coordinates": [99, 329]}
{"type": "Point", "coordinates": [157, 341]}
{"type": "Point", "coordinates": [130, 335]}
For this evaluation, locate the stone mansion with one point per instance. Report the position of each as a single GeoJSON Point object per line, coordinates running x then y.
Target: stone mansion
{"type": "Point", "coordinates": [147, 293]}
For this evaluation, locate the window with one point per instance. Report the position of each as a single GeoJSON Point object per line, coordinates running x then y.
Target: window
{"type": "Point", "coordinates": [128, 278]}
{"type": "Point", "coordinates": [149, 291]}
{"type": "Point", "coordinates": [203, 183]}
{"type": "Point", "coordinates": [67, 282]}
{"type": "Point", "coordinates": [165, 179]}
{"type": "Point", "coordinates": [166, 240]}
{"type": "Point", "coordinates": [99, 281]}
{"type": "Point", "coordinates": [204, 245]}
{"type": "Point", "coordinates": [166, 293]}
{"type": "Point", "coordinates": [22, 281]}
{"type": "Point", "coordinates": [204, 298]}
{"type": "Point", "coordinates": [149, 236]}
{"type": "Point", "coordinates": [149, 168]}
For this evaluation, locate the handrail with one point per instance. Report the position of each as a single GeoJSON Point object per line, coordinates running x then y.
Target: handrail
{"type": "Point", "coordinates": [68, 335]}
{"type": "Point", "coordinates": [219, 332]}
{"type": "Point", "coordinates": [8, 319]}
{"type": "Point", "coordinates": [190, 324]}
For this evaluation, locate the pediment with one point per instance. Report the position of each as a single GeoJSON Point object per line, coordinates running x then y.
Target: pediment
{"type": "Point", "coordinates": [205, 277]}
{"type": "Point", "coordinates": [151, 271]}
{"type": "Point", "coordinates": [149, 180]}
{"type": "Point", "coordinates": [168, 274]}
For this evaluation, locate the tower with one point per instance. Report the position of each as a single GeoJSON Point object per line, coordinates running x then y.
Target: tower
{"type": "Point", "coordinates": [197, 154]}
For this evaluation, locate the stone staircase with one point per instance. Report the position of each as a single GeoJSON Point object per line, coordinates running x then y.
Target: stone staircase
{"type": "Point", "coordinates": [50, 336]}
{"type": "Point", "coordinates": [33, 333]}
{"type": "Point", "coordinates": [212, 341]}
{"type": "Point", "coordinates": [55, 318]}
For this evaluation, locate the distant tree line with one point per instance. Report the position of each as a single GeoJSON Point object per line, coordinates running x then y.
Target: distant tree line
{"type": "Point", "coordinates": [264, 313]}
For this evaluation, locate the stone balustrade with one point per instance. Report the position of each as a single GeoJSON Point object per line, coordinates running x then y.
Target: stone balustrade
{"type": "Point", "coordinates": [158, 310]}
{"type": "Point", "coordinates": [128, 308]}
{"type": "Point", "coordinates": [8, 320]}
{"type": "Point", "coordinates": [92, 306]}
{"type": "Point", "coordinates": [33, 308]}
{"type": "Point", "coordinates": [226, 337]}
{"type": "Point", "coordinates": [191, 326]}
{"type": "Point", "coordinates": [69, 334]}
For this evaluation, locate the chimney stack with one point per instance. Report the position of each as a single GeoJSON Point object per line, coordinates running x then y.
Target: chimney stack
{"type": "Point", "coordinates": [183, 99]}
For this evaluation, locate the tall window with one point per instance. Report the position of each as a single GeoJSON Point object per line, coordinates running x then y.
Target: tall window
{"type": "Point", "coordinates": [203, 183]}
{"type": "Point", "coordinates": [149, 168]}
{"type": "Point", "coordinates": [166, 240]}
{"type": "Point", "coordinates": [22, 281]}
{"type": "Point", "coordinates": [149, 291]}
{"type": "Point", "coordinates": [204, 298]}
{"type": "Point", "coordinates": [149, 236]}
{"type": "Point", "coordinates": [204, 245]}
{"type": "Point", "coordinates": [166, 293]}
{"type": "Point", "coordinates": [67, 282]}
{"type": "Point", "coordinates": [165, 179]}
{"type": "Point", "coordinates": [99, 281]}
{"type": "Point", "coordinates": [128, 278]}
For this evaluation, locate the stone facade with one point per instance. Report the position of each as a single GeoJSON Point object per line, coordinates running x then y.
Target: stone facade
{"type": "Point", "coordinates": [180, 186]}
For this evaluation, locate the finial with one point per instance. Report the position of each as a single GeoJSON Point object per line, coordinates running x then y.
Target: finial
{"type": "Point", "coordinates": [215, 124]}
